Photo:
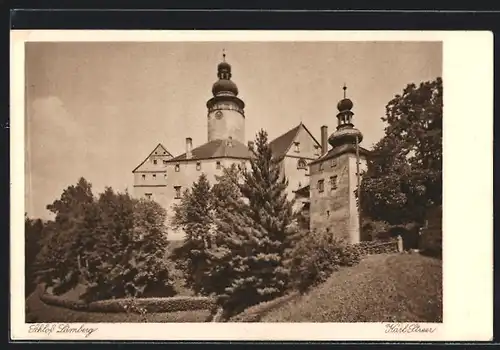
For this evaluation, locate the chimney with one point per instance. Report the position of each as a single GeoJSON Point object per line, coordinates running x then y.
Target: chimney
{"type": "Point", "coordinates": [189, 147]}
{"type": "Point", "coordinates": [324, 139]}
{"type": "Point", "coordinates": [250, 144]}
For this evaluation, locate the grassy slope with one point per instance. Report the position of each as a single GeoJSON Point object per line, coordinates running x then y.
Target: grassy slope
{"type": "Point", "coordinates": [382, 288]}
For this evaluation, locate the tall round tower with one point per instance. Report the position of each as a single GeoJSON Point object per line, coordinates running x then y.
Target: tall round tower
{"type": "Point", "coordinates": [226, 117]}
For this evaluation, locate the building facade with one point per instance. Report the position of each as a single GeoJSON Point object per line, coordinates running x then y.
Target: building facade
{"type": "Point", "coordinates": [304, 161]}
{"type": "Point", "coordinates": [336, 176]}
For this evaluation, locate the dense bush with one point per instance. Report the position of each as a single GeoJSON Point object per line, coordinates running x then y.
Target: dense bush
{"type": "Point", "coordinates": [316, 256]}
{"type": "Point", "coordinates": [133, 304]}
{"type": "Point", "coordinates": [33, 231]}
{"type": "Point", "coordinates": [114, 244]}
{"type": "Point", "coordinates": [372, 230]}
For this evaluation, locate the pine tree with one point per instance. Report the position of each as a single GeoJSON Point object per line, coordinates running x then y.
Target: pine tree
{"type": "Point", "coordinates": [254, 233]}
{"type": "Point", "coordinates": [194, 216]}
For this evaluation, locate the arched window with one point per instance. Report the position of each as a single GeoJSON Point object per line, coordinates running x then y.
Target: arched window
{"type": "Point", "coordinates": [301, 164]}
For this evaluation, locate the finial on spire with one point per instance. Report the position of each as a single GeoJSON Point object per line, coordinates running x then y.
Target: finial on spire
{"type": "Point", "coordinates": [344, 88]}
{"type": "Point", "coordinates": [224, 55]}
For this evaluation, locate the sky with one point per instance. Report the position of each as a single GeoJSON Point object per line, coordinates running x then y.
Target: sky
{"type": "Point", "coordinates": [98, 109]}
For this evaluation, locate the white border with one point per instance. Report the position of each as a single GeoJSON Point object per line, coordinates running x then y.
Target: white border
{"type": "Point", "coordinates": [468, 209]}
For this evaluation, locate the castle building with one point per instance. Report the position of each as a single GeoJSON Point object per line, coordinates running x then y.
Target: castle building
{"type": "Point", "coordinates": [335, 176]}
{"type": "Point", "coordinates": [163, 177]}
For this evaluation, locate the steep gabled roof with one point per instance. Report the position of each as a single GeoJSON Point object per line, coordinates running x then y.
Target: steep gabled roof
{"type": "Point", "coordinates": [281, 145]}
{"type": "Point", "coordinates": [158, 148]}
{"type": "Point", "coordinates": [217, 149]}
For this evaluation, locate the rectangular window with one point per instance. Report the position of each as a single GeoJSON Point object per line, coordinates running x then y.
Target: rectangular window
{"type": "Point", "coordinates": [154, 176]}
{"type": "Point", "coordinates": [297, 147]}
{"type": "Point", "coordinates": [198, 166]}
{"type": "Point", "coordinates": [143, 176]}
{"type": "Point", "coordinates": [148, 195]}
{"type": "Point", "coordinates": [155, 161]}
{"type": "Point", "coordinates": [321, 185]}
{"type": "Point", "coordinates": [177, 192]}
{"type": "Point", "coordinates": [320, 166]}
{"type": "Point", "coordinates": [177, 167]}
{"type": "Point", "coordinates": [333, 182]}
{"type": "Point", "coordinates": [334, 163]}
{"type": "Point", "coordinates": [217, 165]}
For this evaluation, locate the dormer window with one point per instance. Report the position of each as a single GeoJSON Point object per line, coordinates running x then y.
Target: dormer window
{"type": "Point", "coordinates": [177, 167]}
{"type": "Point", "coordinates": [198, 165]}
{"type": "Point", "coordinates": [301, 164]}
{"type": "Point", "coordinates": [296, 147]}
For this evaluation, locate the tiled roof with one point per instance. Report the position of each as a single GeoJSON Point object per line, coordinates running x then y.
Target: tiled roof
{"type": "Point", "coordinates": [281, 144]}
{"type": "Point", "coordinates": [217, 149]}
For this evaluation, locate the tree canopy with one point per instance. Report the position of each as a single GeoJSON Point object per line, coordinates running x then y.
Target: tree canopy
{"type": "Point", "coordinates": [404, 173]}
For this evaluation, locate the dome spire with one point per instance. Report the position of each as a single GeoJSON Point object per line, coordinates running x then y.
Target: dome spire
{"type": "Point", "coordinates": [224, 85]}
{"type": "Point", "coordinates": [346, 132]}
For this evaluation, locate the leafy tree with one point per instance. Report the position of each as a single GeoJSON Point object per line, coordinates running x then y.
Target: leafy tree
{"type": "Point", "coordinates": [404, 175]}
{"type": "Point", "coordinates": [194, 216]}
{"type": "Point", "coordinates": [57, 261]}
{"type": "Point", "coordinates": [253, 232]}
{"type": "Point", "coordinates": [129, 249]}
{"type": "Point", "coordinates": [33, 230]}
{"type": "Point", "coordinates": [114, 244]}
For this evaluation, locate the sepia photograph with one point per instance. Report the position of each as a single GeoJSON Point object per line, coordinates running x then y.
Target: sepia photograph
{"type": "Point", "coordinates": [233, 182]}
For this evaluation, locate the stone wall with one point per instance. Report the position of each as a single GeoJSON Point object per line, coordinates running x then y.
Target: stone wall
{"type": "Point", "coordinates": [329, 209]}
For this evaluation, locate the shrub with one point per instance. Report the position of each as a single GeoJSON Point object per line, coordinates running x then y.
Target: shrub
{"type": "Point", "coordinates": [135, 305]}
{"type": "Point", "coordinates": [316, 256]}
{"type": "Point", "coordinates": [114, 244]}
{"type": "Point", "coordinates": [154, 304]}
{"type": "Point", "coordinates": [373, 230]}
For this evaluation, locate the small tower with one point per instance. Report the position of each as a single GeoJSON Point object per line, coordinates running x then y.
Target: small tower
{"type": "Point", "coordinates": [226, 117]}
{"type": "Point", "coordinates": [335, 177]}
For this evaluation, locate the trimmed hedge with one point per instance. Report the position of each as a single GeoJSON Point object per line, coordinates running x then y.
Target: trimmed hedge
{"type": "Point", "coordinates": [376, 247]}
{"type": "Point", "coordinates": [137, 305]}
{"type": "Point", "coordinates": [256, 312]}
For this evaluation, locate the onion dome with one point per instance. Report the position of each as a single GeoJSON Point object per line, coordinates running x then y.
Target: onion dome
{"type": "Point", "coordinates": [345, 136]}
{"type": "Point", "coordinates": [346, 133]}
{"type": "Point", "coordinates": [224, 86]}
{"type": "Point", "coordinates": [344, 105]}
